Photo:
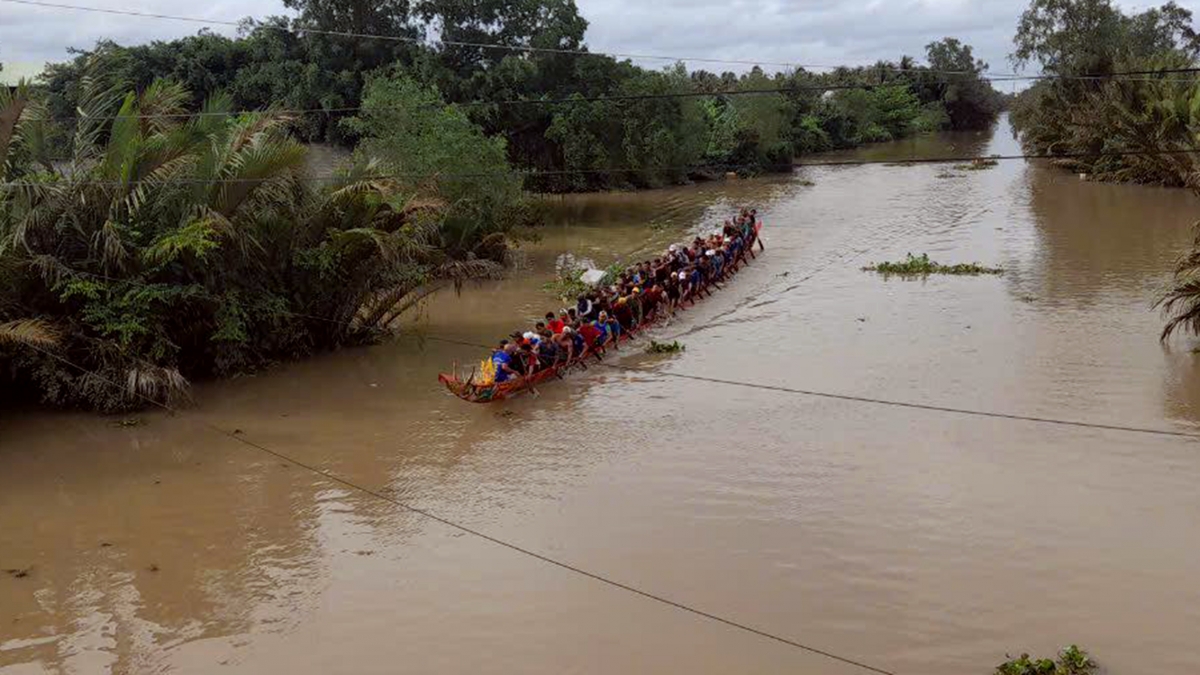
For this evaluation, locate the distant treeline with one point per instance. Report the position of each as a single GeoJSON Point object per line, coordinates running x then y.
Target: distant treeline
{"type": "Point", "coordinates": [1095, 109]}
{"type": "Point", "coordinates": [613, 144]}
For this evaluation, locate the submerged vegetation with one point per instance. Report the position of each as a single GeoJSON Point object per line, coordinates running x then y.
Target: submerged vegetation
{"type": "Point", "coordinates": [1071, 661]}
{"type": "Point", "coordinates": [672, 347]}
{"type": "Point", "coordinates": [568, 282]}
{"type": "Point", "coordinates": [921, 265]}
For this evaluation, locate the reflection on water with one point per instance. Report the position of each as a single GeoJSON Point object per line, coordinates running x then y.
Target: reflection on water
{"type": "Point", "coordinates": [915, 540]}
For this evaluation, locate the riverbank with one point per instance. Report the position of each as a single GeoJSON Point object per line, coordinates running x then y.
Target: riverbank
{"type": "Point", "coordinates": [880, 532]}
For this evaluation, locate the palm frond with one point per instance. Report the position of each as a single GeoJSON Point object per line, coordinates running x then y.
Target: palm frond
{"type": "Point", "coordinates": [159, 105]}
{"type": "Point", "coordinates": [96, 103]}
{"type": "Point", "coordinates": [1180, 304]}
{"type": "Point", "coordinates": [12, 106]}
{"type": "Point", "coordinates": [156, 383]}
{"type": "Point", "coordinates": [112, 251]}
{"type": "Point", "coordinates": [29, 332]}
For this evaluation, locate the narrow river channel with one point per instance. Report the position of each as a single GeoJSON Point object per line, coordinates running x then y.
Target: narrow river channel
{"type": "Point", "coordinates": [915, 540]}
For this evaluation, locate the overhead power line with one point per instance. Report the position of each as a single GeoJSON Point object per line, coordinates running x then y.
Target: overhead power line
{"type": "Point", "coordinates": [415, 40]}
{"type": "Point", "coordinates": [425, 513]}
{"type": "Point", "coordinates": [1128, 428]}
{"type": "Point", "coordinates": [901, 161]}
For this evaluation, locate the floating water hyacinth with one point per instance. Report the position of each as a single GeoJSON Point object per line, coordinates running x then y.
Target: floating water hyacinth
{"type": "Point", "coordinates": [656, 347]}
{"type": "Point", "coordinates": [921, 265]}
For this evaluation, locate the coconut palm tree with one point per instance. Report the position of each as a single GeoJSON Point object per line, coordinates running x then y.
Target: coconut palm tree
{"type": "Point", "coordinates": [1181, 303]}
{"type": "Point", "coordinates": [168, 246]}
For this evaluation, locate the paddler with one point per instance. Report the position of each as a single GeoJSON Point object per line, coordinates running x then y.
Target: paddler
{"type": "Point", "coordinates": [584, 307]}
{"type": "Point", "coordinates": [610, 330]}
{"type": "Point", "coordinates": [502, 359]}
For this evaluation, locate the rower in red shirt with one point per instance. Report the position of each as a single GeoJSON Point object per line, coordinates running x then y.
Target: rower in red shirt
{"type": "Point", "coordinates": [590, 334]}
{"type": "Point", "coordinates": [555, 325]}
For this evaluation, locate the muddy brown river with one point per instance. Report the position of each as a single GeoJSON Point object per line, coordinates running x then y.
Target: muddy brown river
{"type": "Point", "coordinates": [918, 541]}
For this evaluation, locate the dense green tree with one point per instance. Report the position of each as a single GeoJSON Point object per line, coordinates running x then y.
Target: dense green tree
{"type": "Point", "coordinates": [1115, 116]}
{"type": "Point", "coordinates": [172, 246]}
{"type": "Point", "coordinates": [475, 35]}
{"type": "Point", "coordinates": [969, 101]}
{"type": "Point", "coordinates": [473, 57]}
{"type": "Point", "coordinates": [433, 148]}
{"type": "Point", "coordinates": [1068, 37]}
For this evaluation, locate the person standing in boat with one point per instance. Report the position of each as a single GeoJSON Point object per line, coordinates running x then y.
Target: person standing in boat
{"type": "Point", "coordinates": [754, 229]}
{"type": "Point", "coordinates": [671, 289]}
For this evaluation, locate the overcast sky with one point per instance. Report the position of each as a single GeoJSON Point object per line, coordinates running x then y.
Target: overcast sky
{"type": "Point", "coordinates": [820, 32]}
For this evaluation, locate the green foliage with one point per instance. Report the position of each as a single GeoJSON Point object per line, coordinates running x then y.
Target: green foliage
{"type": "Point", "coordinates": [673, 347]}
{"type": "Point", "coordinates": [1071, 661]}
{"type": "Point", "coordinates": [635, 141]}
{"type": "Point", "coordinates": [1131, 120]}
{"type": "Point", "coordinates": [421, 140]}
{"type": "Point", "coordinates": [173, 247]}
{"type": "Point", "coordinates": [567, 284]}
{"type": "Point", "coordinates": [921, 265]}
{"type": "Point", "coordinates": [1180, 303]}
{"type": "Point", "coordinates": [612, 273]}
{"type": "Point", "coordinates": [966, 100]}
{"type": "Point", "coordinates": [640, 142]}
{"type": "Point", "coordinates": [879, 114]}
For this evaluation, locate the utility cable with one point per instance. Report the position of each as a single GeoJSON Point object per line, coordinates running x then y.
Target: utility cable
{"type": "Point", "coordinates": [451, 43]}
{"type": "Point", "coordinates": [663, 600]}
{"type": "Point", "coordinates": [872, 400]}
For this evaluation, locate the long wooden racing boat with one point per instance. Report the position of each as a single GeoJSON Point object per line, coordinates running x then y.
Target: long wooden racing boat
{"type": "Point", "coordinates": [467, 388]}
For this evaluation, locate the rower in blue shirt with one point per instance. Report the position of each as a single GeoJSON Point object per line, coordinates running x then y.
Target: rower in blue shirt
{"type": "Point", "coordinates": [502, 359]}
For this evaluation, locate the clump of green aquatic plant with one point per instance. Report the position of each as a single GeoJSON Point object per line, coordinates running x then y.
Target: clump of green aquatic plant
{"type": "Point", "coordinates": [612, 273]}
{"type": "Point", "coordinates": [921, 265]}
{"type": "Point", "coordinates": [673, 347]}
{"type": "Point", "coordinates": [568, 283]}
{"type": "Point", "coordinates": [804, 182]}
{"type": "Point", "coordinates": [1071, 661]}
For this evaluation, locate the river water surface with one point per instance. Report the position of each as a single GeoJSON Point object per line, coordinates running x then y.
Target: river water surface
{"type": "Point", "coordinates": [915, 540]}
